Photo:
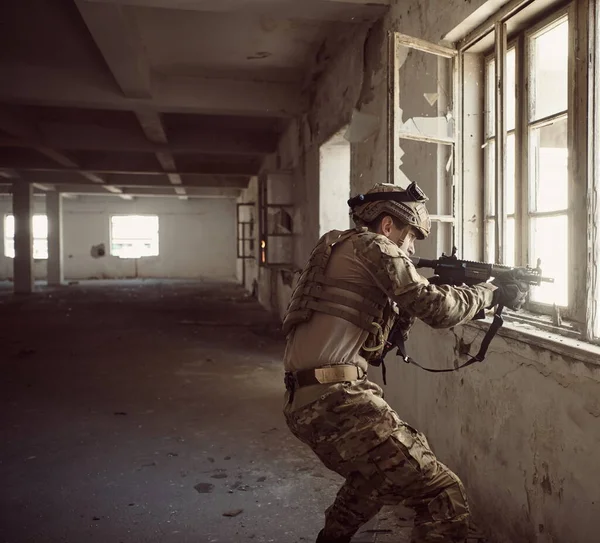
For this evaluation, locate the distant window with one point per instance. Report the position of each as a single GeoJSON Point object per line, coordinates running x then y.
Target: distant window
{"type": "Point", "coordinates": [40, 237]}
{"type": "Point", "coordinates": [134, 236]}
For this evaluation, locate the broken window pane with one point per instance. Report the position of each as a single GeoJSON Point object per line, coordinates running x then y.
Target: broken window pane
{"type": "Point", "coordinates": [549, 173]}
{"type": "Point", "coordinates": [431, 166]}
{"type": "Point", "coordinates": [425, 95]}
{"type": "Point", "coordinates": [279, 250]}
{"type": "Point", "coordinates": [549, 241]}
{"type": "Point", "coordinates": [550, 71]}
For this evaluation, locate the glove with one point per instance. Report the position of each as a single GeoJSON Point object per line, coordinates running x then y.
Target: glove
{"type": "Point", "coordinates": [435, 280]}
{"type": "Point", "coordinates": [511, 291]}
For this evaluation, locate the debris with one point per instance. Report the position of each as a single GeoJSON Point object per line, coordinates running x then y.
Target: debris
{"type": "Point", "coordinates": [172, 454]}
{"type": "Point", "coordinates": [95, 518]}
{"type": "Point", "coordinates": [210, 459]}
{"type": "Point", "coordinates": [219, 476]}
{"type": "Point", "coordinates": [261, 479]}
{"type": "Point", "coordinates": [233, 513]}
{"type": "Point", "coordinates": [120, 413]}
{"type": "Point", "coordinates": [228, 458]}
{"type": "Point", "coordinates": [204, 488]}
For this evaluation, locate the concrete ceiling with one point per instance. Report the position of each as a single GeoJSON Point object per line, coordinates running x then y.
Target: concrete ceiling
{"type": "Point", "coordinates": [155, 97]}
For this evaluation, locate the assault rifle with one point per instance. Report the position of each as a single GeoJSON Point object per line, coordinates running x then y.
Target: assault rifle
{"type": "Point", "coordinates": [452, 271]}
{"type": "Point", "coordinates": [449, 270]}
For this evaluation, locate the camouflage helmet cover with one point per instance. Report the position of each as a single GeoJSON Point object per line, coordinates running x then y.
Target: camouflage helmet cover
{"type": "Point", "coordinates": [407, 205]}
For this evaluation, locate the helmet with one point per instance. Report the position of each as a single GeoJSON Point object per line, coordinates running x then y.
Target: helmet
{"type": "Point", "coordinates": [407, 205]}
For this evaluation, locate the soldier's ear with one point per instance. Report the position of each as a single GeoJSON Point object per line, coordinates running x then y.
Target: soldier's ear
{"type": "Point", "coordinates": [387, 224]}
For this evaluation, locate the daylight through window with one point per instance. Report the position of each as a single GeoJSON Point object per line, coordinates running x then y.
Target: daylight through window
{"type": "Point", "coordinates": [40, 236]}
{"type": "Point", "coordinates": [536, 175]}
{"type": "Point", "coordinates": [134, 236]}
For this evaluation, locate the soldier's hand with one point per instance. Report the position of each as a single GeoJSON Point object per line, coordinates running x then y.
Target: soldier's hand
{"type": "Point", "coordinates": [435, 280]}
{"type": "Point", "coordinates": [512, 292]}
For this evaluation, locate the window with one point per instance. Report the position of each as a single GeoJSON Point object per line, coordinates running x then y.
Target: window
{"type": "Point", "coordinates": [541, 176]}
{"type": "Point", "coordinates": [134, 236]}
{"type": "Point", "coordinates": [536, 184]}
{"type": "Point", "coordinates": [423, 124]}
{"type": "Point", "coordinates": [276, 228]}
{"type": "Point", "coordinates": [40, 237]}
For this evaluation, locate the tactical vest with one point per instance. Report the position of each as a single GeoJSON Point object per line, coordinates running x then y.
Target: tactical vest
{"type": "Point", "coordinates": [376, 313]}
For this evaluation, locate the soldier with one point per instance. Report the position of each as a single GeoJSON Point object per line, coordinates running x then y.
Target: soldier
{"type": "Point", "coordinates": [354, 287]}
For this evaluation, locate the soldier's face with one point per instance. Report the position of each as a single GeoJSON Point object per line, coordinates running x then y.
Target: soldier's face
{"type": "Point", "coordinates": [406, 241]}
{"type": "Point", "coordinates": [404, 237]}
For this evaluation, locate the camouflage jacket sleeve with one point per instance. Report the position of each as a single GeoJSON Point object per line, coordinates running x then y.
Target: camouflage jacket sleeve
{"type": "Point", "coordinates": [438, 306]}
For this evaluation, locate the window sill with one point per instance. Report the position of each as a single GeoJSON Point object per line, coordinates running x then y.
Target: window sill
{"type": "Point", "coordinates": [552, 341]}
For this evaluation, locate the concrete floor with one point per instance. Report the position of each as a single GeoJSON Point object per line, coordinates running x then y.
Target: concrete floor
{"type": "Point", "coordinates": [149, 411]}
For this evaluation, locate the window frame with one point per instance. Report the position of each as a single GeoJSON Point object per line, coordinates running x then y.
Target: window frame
{"type": "Point", "coordinates": [450, 53]}
{"type": "Point", "coordinates": [112, 238]}
{"type": "Point", "coordinates": [281, 236]}
{"type": "Point", "coordinates": [34, 238]}
{"type": "Point", "coordinates": [582, 248]}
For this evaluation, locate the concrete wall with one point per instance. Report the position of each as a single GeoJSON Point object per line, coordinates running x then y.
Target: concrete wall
{"type": "Point", "coordinates": [196, 238]}
{"type": "Point", "coordinates": [522, 429]}
{"type": "Point", "coordinates": [334, 184]}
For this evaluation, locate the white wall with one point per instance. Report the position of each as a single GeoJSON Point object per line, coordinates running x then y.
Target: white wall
{"type": "Point", "coordinates": [522, 429]}
{"type": "Point", "coordinates": [196, 238]}
{"type": "Point", "coordinates": [334, 184]}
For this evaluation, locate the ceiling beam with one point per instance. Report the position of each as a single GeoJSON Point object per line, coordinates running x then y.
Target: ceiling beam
{"type": "Point", "coordinates": [47, 86]}
{"type": "Point", "coordinates": [194, 192]}
{"type": "Point", "coordinates": [135, 180]}
{"type": "Point", "coordinates": [90, 137]}
{"type": "Point", "coordinates": [20, 130]}
{"type": "Point", "coordinates": [207, 169]}
{"type": "Point", "coordinates": [120, 44]}
{"type": "Point", "coordinates": [152, 126]}
{"type": "Point", "coordinates": [350, 11]}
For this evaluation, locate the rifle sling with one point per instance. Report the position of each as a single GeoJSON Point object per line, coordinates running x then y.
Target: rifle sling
{"type": "Point", "coordinates": [479, 357]}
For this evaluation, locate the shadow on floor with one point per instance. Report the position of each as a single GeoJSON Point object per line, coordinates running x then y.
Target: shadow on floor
{"type": "Point", "coordinates": [149, 411]}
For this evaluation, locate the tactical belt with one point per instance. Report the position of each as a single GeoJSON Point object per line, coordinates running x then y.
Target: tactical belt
{"type": "Point", "coordinates": [321, 376]}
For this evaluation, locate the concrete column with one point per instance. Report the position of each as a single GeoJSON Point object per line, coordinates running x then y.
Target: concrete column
{"type": "Point", "coordinates": [55, 238]}
{"type": "Point", "coordinates": [23, 213]}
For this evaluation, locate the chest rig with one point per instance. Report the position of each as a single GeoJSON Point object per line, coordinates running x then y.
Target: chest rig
{"type": "Point", "coordinates": [369, 308]}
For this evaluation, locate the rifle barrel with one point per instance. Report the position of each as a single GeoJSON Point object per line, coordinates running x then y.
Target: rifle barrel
{"type": "Point", "coordinates": [419, 262]}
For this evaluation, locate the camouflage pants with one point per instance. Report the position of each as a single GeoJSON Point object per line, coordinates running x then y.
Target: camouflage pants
{"type": "Point", "coordinates": [355, 433]}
